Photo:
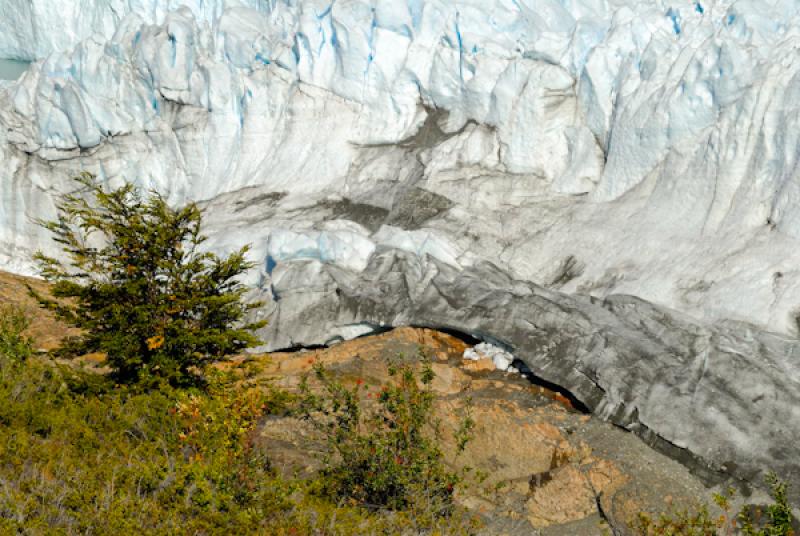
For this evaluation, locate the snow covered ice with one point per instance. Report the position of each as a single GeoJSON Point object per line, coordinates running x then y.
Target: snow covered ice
{"type": "Point", "coordinates": [599, 147]}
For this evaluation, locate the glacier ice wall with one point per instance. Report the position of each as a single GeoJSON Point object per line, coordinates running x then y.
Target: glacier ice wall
{"type": "Point", "coordinates": [33, 29]}
{"type": "Point", "coordinates": [595, 146]}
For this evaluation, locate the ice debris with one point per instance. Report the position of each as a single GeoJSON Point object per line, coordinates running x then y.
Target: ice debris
{"type": "Point", "coordinates": [502, 360]}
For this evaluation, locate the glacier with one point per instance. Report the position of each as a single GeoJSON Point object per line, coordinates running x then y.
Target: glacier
{"type": "Point", "coordinates": [602, 147]}
{"type": "Point", "coordinates": [534, 163]}
{"type": "Point", "coordinates": [33, 29]}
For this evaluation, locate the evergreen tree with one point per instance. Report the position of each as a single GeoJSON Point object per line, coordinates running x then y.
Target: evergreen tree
{"type": "Point", "coordinates": [137, 285]}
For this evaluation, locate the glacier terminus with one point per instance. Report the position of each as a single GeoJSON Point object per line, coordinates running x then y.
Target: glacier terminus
{"type": "Point", "coordinates": [626, 172]}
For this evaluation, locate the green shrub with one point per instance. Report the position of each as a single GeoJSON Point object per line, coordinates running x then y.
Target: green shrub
{"type": "Point", "coordinates": [78, 456]}
{"type": "Point", "coordinates": [139, 287]}
{"type": "Point", "coordinates": [387, 458]}
{"type": "Point", "coordinates": [748, 521]}
{"type": "Point", "coordinates": [13, 342]}
{"type": "Point", "coordinates": [779, 518]}
{"type": "Point", "coordinates": [685, 522]}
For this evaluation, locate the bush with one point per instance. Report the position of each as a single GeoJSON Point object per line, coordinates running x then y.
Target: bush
{"type": "Point", "coordinates": [78, 456]}
{"type": "Point", "coordinates": [779, 518]}
{"type": "Point", "coordinates": [388, 458]}
{"type": "Point", "coordinates": [749, 521]}
{"type": "Point", "coordinates": [690, 523]}
{"type": "Point", "coordinates": [139, 287]}
{"type": "Point", "coordinates": [13, 342]}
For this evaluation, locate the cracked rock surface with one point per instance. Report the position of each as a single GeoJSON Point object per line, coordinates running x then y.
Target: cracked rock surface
{"type": "Point", "coordinates": [723, 399]}
{"type": "Point", "coordinates": [551, 470]}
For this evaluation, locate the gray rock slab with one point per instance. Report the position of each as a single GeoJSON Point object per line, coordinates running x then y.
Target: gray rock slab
{"type": "Point", "coordinates": [724, 399]}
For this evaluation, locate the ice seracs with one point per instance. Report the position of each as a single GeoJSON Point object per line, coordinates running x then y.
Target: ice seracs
{"type": "Point", "coordinates": [645, 148]}
{"type": "Point", "coordinates": [33, 29]}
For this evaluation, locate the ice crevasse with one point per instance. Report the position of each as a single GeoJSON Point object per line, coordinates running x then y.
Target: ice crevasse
{"type": "Point", "coordinates": [599, 147]}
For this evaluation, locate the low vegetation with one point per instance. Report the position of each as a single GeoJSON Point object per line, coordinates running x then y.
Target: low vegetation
{"type": "Point", "coordinates": [773, 520]}
{"type": "Point", "coordinates": [13, 341]}
{"type": "Point", "coordinates": [81, 454]}
{"type": "Point", "coordinates": [389, 456]}
{"type": "Point", "coordinates": [168, 445]}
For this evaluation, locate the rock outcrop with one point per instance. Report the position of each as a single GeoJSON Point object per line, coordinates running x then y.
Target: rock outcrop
{"type": "Point", "coordinates": [550, 470]}
{"type": "Point", "coordinates": [724, 399]}
{"type": "Point", "coordinates": [525, 435]}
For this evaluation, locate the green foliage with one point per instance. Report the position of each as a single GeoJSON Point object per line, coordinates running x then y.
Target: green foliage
{"type": "Point", "coordinates": [388, 457]}
{"type": "Point", "coordinates": [139, 287]}
{"type": "Point", "coordinates": [779, 513]}
{"type": "Point", "coordinates": [80, 457]}
{"type": "Point", "coordinates": [678, 523]}
{"type": "Point", "coordinates": [13, 342]}
{"type": "Point", "coordinates": [748, 522]}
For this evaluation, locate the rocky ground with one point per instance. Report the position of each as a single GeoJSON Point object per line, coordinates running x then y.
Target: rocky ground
{"type": "Point", "coordinates": [551, 468]}
{"type": "Point", "coordinates": [721, 398]}
{"type": "Point", "coordinates": [46, 331]}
